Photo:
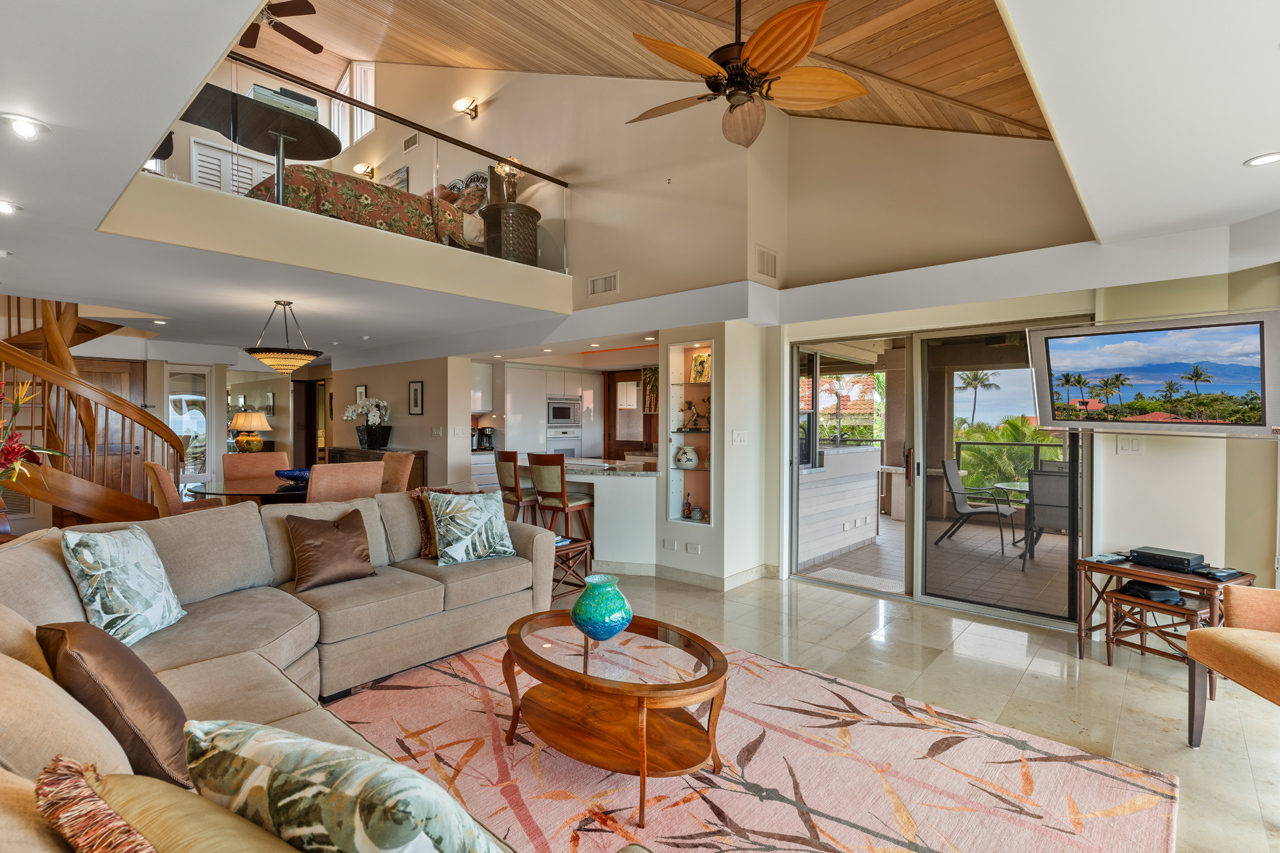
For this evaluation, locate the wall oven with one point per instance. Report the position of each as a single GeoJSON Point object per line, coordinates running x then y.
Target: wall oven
{"type": "Point", "coordinates": [564, 411]}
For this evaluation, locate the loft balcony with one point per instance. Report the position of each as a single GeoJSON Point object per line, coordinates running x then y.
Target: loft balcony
{"type": "Point", "coordinates": [366, 194]}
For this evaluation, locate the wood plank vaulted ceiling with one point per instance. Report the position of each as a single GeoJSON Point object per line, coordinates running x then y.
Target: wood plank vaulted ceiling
{"type": "Point", "coordinates": [944, 64]}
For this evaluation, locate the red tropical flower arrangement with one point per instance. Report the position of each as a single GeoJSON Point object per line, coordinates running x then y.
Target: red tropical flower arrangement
{"type": "Point", "coordinates": [14, 453]}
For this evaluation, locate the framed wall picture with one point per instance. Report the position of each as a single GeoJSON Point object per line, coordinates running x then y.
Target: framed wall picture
{"type": "Point", "coordinates": [398, 179]}
{"type": "Point", "coordinates": [700, 367]}
{"type": "Point", "coordinates": [415, 398]}
{"type": "Point", "coordinates": [270, 407]}
{"type": "Point", "coordinates": [362, 391]}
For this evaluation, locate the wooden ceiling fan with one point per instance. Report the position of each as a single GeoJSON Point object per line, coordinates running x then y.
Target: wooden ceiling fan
{"type": "Point", "coordinates": [270, 17]}
{"type": "Point", "coordinates": [763, 69]}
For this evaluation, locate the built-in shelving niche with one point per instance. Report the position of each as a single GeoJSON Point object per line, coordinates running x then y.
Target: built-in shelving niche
{"type": "Point", "coordinates": [692, 374]}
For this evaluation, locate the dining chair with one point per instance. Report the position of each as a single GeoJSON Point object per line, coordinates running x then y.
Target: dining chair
{"type": "Point", "coordinates": [396, 470]}
{"type": "Point", "coordinates": [1048, 494]}
{"type": "Point", "coordinates": [165, 493]}
{"type": "Point", "coordinates": [1245, 649]}
{"type": "Point", "coordinates": [517, 489]}
{"type": "Point", "coordinates": [960, 495]}
{"type": "Point", "coordinates": [344, 481]}
{"type": "Point", "coordinates": [246, 466]}
{"type": "Point", "coordinates": [553, 493]}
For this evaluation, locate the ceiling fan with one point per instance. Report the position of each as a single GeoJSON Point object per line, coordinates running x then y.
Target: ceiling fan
{"type": "Point", "coordinates": [763, 69]}
{"type": "Point", "coordinates": [270, 17]}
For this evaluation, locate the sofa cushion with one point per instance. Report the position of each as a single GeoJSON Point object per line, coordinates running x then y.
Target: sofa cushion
{"type": "Point", "coordinates": [21, 826]}
{"type": "Point", "coordinates": [386, 598]}
{"type": "Point", "coordinates": [122, 582]}
{"type": "Point", "coordinates": [326, 552]}
{"type": "Point", "coordinates": [261, 619]}
{"type": "Point", "coordinates": [34, 580]}
{"type": "Point", "coordinates": [38, 720]}
{"type": "Point", "coordinates": [245, 686]}
{"type": "Point", "coordinates": [18, 641]}
{"type": "Point", "coordinates": [206, 553]}
{"type": "Point", "coordinates": [109, 680]}
{"type": "Point", "coordinates": [400, 520]}
{"type": "Point", "coordinates": [323, 725]}
{"type": "Point", "coordinates": [281, 546]}
{"type": "Point", "coordinates": [480, 580]}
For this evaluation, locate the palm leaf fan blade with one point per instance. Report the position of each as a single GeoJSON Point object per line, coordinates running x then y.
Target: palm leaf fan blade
{"type": "Point", "coordinates": [742, 124]}
{"type": "Point", "coordinates": [672, 107]}
{"type": "Point", "coordinates": [250, 38]}
{"type": "Point", "coordinates": [781, 42]}
{"type": "Point", "coordinates": [297, 38]}
{"type": "Point", "coordinates": [812, 88]}
{"type": "Point", "coordinates": [682, 57]}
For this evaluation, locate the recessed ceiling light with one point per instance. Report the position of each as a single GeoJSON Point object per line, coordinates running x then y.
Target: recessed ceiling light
{"type": "Point", "coordinates": [365, 337]}
{"type": "Point", "coordinates": [24, 127]}
{"type": "Point", "coordinates": [650, 339]}
{"type": "Point", "coordinates": [8, 208]}
{"type": "Point", "coordinates": [497, 356]}
{"type": "Point", "coordinates": [595, 345]}
{"type": "Point", "coordinates": [160, 322]}
{"type": "Point", "coordinates": [1263, 159]}
{"type": "Point", "coordinates": [546, 350]}
{"type": "Point", "coordinates": [335, 343]}
{"type": "Point", "coordinates": [4, 253]}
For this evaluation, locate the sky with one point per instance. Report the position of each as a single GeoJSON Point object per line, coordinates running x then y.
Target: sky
{"type": "Point", "coordinates": [1015, 397]}
{"type": "Point", "coordinates": [1238, 344]}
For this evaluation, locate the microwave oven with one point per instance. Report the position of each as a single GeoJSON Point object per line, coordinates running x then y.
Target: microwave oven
{"type": "Point", "coordinates": [564, 412]}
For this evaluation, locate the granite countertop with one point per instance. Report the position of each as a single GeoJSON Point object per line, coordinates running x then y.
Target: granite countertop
{"type": "Point", "coordinates": [608, 468]}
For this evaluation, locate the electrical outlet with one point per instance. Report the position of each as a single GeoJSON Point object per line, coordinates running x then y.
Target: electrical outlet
{"type": "Point", "coordinates": [866, 520]}
{"type": "Point", "coordinates": [437, 432]}
{"type": "Point", "coordinates": [1126, 446]}
{"type": "Point", "coordinates": [693, 547]}
{"type": "Point", "coordinates": [669, 544]}
{"type": "Point", "coordinates": [739, 436]}
{"type": "Point", "coordinates": [848, 526]}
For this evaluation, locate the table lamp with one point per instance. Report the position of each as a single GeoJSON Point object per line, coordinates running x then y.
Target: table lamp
{"type": "Point", "coordinates": [246, 426]}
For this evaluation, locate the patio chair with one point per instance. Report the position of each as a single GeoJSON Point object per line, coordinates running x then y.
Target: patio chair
{"type": "Point", "coordinates": [1048, 493]}
{"type": "Point", "coordinates": [960, 495]}
{"type": "Point", "coordinates": [1054, 465]}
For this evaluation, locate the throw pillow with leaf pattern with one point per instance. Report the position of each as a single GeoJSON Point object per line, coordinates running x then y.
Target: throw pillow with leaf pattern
{"type": "Point", "coordinates": [121, 582]}
{"type": "Point", "coordinates": [469, 527]}
{"type": "Point", "coordinates": [321, 796]}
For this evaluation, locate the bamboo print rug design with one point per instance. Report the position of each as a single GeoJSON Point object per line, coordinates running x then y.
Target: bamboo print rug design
{"type": "Point", "coordinates": [811, 763]}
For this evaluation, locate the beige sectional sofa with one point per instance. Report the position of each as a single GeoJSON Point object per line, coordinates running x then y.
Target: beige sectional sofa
{"type": "Point", "coordinates": [249, 649]}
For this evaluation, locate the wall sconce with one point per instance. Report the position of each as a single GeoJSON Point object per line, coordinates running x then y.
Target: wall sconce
{"type": "Point", "coordinates": [467, 106]}
{"type": "Point", "coordinates": [364, 170]}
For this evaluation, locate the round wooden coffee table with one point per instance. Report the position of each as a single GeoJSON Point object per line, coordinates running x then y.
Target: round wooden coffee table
{"type": "Point", "coordinates": [621, 705]}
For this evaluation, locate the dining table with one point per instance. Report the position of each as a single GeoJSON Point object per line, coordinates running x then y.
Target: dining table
{"type": "Point", "coordinates": [265, 489]}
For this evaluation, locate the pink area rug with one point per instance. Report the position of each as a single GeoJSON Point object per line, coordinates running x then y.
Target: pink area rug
{"type": "Point", "coordinates": [811, 763]}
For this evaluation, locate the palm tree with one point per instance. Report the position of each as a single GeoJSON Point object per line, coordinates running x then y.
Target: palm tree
{"type": "Point", "coordinates": [975, 381]}
{"type": "Point", "coordinates": [1080, 382]}
{"type": "Point", "coordinates": [1196, 375]}
{"type": "Point", "coordinates": [1118, 382]}
{"type": "Point", "coordinates": [1067, 381]}
{"type": "Point", "coordinates": [1104, 388]}
{"type": "Point", "coordinates": [1170, 389]}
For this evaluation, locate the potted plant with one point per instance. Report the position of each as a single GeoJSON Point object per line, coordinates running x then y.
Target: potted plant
{"type": "Point", "coordinates": [374, 433]}
{"type": "Point", "coordinates": [15, 454]}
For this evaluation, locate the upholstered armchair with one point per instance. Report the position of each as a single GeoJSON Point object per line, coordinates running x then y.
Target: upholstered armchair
{"type": "Point", "coordinates": [1246, 650]}
{"type": "Point", "coordinates": [344, 481]}
{"type": "Point", "coordinates": [166, 496]}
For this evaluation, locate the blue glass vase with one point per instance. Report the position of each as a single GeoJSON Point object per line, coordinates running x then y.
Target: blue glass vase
{"type": "Point", "coordinates": [601, 611]}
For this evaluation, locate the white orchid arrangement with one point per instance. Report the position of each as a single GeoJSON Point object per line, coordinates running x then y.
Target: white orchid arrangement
{"type": "Point", "coordinates": [376, 412]}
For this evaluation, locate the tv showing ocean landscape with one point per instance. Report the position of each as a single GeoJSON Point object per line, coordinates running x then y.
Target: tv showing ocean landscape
{"type": "Point", "coordinates": [1196, 375]}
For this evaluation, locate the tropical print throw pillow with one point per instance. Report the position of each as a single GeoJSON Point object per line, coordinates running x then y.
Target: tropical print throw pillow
{"type": "Point", "coordinates": [122, 582]}
{"type": "Point", "coordinates": [469, 527]}
{"type": "Point", "coordinates": [320, 796]}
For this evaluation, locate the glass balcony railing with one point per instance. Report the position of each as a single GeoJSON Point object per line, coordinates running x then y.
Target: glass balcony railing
{"type": "Point", "coordinates": [987, 463]}
{"type": "Point", "coordinates": [342, 157]}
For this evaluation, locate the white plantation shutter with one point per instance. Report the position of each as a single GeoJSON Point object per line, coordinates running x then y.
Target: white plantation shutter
{"type": "Point", "coordinates": [208, 165]}
{"type": "Point", "coordinates": [218, 168]}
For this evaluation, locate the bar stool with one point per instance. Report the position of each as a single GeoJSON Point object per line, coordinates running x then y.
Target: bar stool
{"type": "Point", "coordinates": [554, 496]}
{"type": "Point", "coordinates": [517, 488]}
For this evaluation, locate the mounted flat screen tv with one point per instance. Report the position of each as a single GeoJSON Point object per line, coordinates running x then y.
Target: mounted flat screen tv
{"type": "Point", "coordinates": [1204, 376]}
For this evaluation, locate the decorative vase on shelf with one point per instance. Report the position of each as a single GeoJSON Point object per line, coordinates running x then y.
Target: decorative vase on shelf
{"type": "Point", "coordinates": [373, 437]}
{"type": "Point", "coordinates": [601, 611]}
{"type": "Point", "coordinates": [696, 514]}
{"type": "Point", "coordinates": [686, 458]}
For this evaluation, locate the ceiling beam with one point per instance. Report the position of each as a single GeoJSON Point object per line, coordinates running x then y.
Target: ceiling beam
{"type": "Point", "coordinates": [863, 75]}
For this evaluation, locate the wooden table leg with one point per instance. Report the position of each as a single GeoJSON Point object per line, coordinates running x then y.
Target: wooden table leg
{"type": "Point", "coordinates": [1111, 631]}
{"type": "Point", "coordinates": [714, 718]}
{"type": "Point", "coordinates": [1197, 678]}
{"type": "Point", "coordinates": [509, 673]}
{"type": "Point", "coordinates": [586, 654]}
{"type": "Point", "coordinates": [644, 756]}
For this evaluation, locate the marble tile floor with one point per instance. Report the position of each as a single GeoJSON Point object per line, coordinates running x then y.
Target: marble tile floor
{"type": "Point", "coordinates": [1018, 675]}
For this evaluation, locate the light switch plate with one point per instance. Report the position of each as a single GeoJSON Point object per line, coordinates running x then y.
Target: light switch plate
{"type": "Point", "coordinates": [693, 547]}
{"type": "Point", "coordinates": [669, 544]}
{"type": "Point", "coordinates": [437, 432]}
{"type": "Point", "coordinates": [457, 432]}
{"type": "Point", "coordinates": [1126, 446]}
{"type": "Point", "coordinates": [848, 526]}
{"type": "Point", "coordinates": [739, 436]}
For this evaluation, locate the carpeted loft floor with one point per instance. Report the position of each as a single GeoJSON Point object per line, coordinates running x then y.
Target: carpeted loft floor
{"type": "Point", "coordinates": [812, 763]}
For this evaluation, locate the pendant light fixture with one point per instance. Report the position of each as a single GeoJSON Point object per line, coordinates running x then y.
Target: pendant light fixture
{"type": "Point", "coordinates": [283, 359]}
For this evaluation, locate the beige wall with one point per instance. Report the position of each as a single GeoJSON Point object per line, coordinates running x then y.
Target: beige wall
{"type": "Point", "coordinates": [868, 199]}
{"type": "Point", "coordinates": [254, 386]}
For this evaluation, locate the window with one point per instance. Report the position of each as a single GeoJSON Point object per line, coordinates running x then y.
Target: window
{"type": "Point", "coordinates": [349, 124]}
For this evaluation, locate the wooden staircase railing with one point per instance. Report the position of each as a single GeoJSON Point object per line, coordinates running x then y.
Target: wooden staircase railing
{"type": "Point", "coordinates": [106, 437]}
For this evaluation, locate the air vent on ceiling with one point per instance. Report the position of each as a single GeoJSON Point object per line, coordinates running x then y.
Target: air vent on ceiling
{"type": "Point", "coordinates": [602, 284]}
{"type": "Point", "coordinates": [766, 262]}
{"type": "Point", "coordinates": [410, 142]}
{"type": "Point", "coordinates": [17, 505]}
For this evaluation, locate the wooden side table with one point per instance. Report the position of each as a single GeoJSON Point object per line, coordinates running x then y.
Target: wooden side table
{"type": "Point", "coordinates": [511, 231]}
{"type": "Point", "coordinates": [574, 560]}
{"type": "Point", "coordinates": [1127, 617]}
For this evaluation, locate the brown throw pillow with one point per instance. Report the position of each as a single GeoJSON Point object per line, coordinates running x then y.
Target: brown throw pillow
{"type": "Point", "coordinates": [427, 524]}
{"type": "Point", "coordinates": [326, 552]}
{"type": "Point", "coordinates": [107, 678]}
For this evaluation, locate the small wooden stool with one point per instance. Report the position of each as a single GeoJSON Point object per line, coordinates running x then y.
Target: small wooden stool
{"type": "Point", "coordinates": [1127, 616]}
{"type": "Point", "coordinates": [574, 560]}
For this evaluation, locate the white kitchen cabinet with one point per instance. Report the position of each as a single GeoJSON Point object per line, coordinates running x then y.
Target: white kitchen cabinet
{"type": "Point", "coordinates": [526, 410]}
{"type": "Point", "coordinates": [573, 384]}
{"type": "Point", "coordinates": [481, 387]}
{"type": "Point", "coordinates": [592, 414]}
{"type": "Point", "coordinates": [555, 383]}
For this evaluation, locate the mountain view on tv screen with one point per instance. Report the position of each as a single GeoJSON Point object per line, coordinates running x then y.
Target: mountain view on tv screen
{"type": "Point", "coordinates": [1202, 375]}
